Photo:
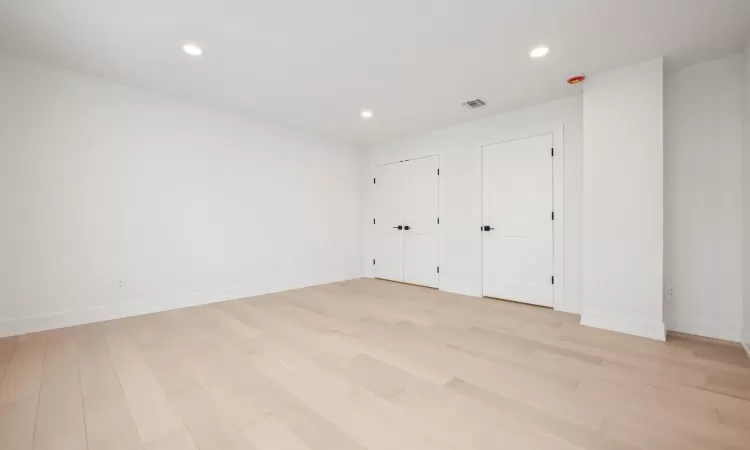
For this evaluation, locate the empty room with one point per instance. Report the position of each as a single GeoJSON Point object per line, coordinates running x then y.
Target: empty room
{"type": "Point", "coordinates": [399, 224]}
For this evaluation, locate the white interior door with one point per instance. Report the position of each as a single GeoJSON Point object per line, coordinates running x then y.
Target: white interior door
{"type": "Point", "coordinates": [389, 243]}
{"type": "Point", "coordinates": [420, 200]}
{"type": "Point", "coordinates": [517, 189]}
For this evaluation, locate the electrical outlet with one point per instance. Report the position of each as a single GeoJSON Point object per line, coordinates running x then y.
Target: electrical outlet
{"type": "Point", "coordinates": [671, 293]}
{"type": "Point", "coordinates": [120, 285]}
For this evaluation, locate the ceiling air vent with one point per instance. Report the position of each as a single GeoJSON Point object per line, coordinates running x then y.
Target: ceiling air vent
{"type": "Point", "coordinates": [473, 104]}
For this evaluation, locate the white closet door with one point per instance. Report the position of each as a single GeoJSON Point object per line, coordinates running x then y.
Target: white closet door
{"type": "Point", "coordinates": [518, 204]}
{"type": "Point", "coordinates": [420, 197]}
{"type": "Point", "coordinates": [389, 244]}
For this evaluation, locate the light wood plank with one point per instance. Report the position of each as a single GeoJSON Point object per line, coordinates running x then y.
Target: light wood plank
{"type": "Point", "coordinates": [368, 364]}
{"type": "Point", "coordinates": [109, 423]}
{"type": "Point", "coordinates": [19, 392]}
{"type": "Point", "coordinates": [157, 424]}
{"type": "Point", "coordinates": [271, 434]}
{"type": "Point", "coordinates": [60, 420]}
{"type": "Point", "coordinates": [23, 374]}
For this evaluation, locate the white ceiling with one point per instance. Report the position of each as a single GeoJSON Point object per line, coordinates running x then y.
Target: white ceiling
{"type": "Point", "coordinates": [316, 63]}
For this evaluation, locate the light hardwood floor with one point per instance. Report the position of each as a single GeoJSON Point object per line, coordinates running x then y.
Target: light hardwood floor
{"type": "Point", "coordinates": [368, 364]}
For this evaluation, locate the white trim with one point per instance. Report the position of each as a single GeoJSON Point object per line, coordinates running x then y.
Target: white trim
{"type": "Point", "coordinates": [728, 330]}
{"type": "Point", "coordinates": [747, 350]}
{"type": "Point", "coordinates": [437, 235]}
{"type": "Point", "coordinates": [411, 159]}
{"type": "Point", "coordinates": [627, 325]}
{"type": "Point", "coordinates": [100, 313]}
{"type": "Point", "coordinates": [558, 171]}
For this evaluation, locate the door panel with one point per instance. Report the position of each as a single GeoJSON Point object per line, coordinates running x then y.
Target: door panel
{"type": "Point", "coordinates": [389, 248]}
{"type": "Point", "coordinates": [420, 200]}
{"type": "Point", "coordinates": [517, 196]}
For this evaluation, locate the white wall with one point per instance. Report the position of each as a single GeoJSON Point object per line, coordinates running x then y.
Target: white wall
{"type": "Point", "coordinates": [459, 149]}
{"type": "Point", "coordinates": [100, 182]}
{"type": "Point", "coordinates": [623, 200]}
{"type": "Point", "coordinates": [703, 199]}
{"type": "Point", "coordinates": [746, 202]}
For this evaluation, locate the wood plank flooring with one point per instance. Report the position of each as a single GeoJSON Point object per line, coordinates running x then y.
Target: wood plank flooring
{"type": "Point", "coordinates": [368, 364]}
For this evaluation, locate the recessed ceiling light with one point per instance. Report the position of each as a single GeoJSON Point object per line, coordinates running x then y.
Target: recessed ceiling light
{"type": "Point", "coordinates": [192, 50]}
{"type": "Point", "coordinates": [539, 52]}
{"type": "Point", "coordinates": [366, 114]}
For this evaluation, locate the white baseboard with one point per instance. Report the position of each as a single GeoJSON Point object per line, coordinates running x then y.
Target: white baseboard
{"type": "Point", "coordinates": [717, 329]}
{"type": "Point", "coordinates": [627, 325]}
{"type": "Point", "coordinates": [466, 292]}
{"type": "Point", "coordinates": [745, 340]}
{"type": "Point", "coordinates": [745, 346]}
{"type": "Point", "coordinates": [44, 322]}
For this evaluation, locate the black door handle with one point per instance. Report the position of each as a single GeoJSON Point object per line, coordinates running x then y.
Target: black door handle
{"type": "Point", "coordinates": [407, 228]}
{"type": "Point", "coordinates": [487, 228]}
{"type": "Point", "coordinates": [399, 227]}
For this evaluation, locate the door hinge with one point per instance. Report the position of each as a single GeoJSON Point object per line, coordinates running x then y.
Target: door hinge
{"type": "Point", "coordinates": [553, 279]}
{"type": "Point", "coordinates": [438, 271]}
{"type": "Point", "coordinates": [438, 220]}
{"type": "Point", "coordinates": [373, 261]}
{"type": "Point", "coordinates": [553, 215]}
{"type": "Point", "coordinates": [373, 181]}
{"type": "Point", "coordinates": [373, 221]}
{"type": "Point", "coordinates": [552, 153]}
{"type": "Point", "coordinates": [438, 171]}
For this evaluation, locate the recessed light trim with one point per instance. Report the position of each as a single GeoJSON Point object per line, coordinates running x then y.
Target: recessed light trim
{"type": "Point", "coordinates": [539, 52]}
{"type": "Point", "coordinates": [366, 114]}
{"type": "Point", "coordinates": [192, 50]}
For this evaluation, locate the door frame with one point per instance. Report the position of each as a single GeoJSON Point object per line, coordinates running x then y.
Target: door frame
{"type": "Point", "coordinates": [558, 266]}
{"type": "Point", "coordinates": [440, 188]}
